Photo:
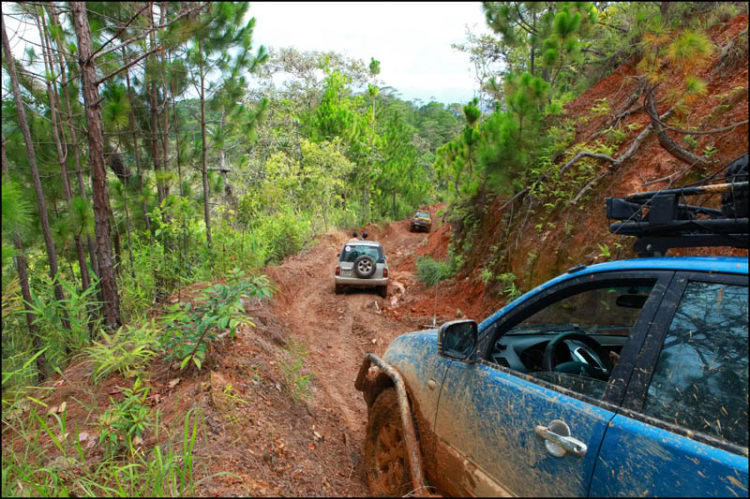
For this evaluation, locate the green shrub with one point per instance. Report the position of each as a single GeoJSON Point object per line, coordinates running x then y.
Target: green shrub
{"type": "Point", "coordinates": [126, 421]}
{"type": "Point", "coordinates": [430, 271]}
{"type": "Point", "coordinates": [169, 470]}
{"type": "Point", "coordinates": [126, 351]}
{"type": "Point", "coordinates": [285, 233]}
{"type": "Point", "coordinates": [190, 329]}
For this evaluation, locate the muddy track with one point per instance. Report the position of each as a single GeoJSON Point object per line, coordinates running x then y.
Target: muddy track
{"type": "Point", "coordinates": [339, 329]}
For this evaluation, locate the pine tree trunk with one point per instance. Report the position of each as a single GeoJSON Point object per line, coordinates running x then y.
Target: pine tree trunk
{"type": "Point", "coordinates": [177, 144]}
{"type": "Point", "coordinates": [154, 115]}
{"type": "Point", "coordinates": [206, 214]}
{"type": "Point", "coordinates": [58, 132]}
{"type": "Point", "coordinates": [137, 154]}
{"type": "Point", "coordinates": [165, 107]}
{"type": "Point", "coordinates": [74, 142]}
{"type": "Point", "coordinates": [23, 277]}
{"type": "Point", "coordinates": [41, 205]}
{"type": "Point", "coordinates": [90, 92]}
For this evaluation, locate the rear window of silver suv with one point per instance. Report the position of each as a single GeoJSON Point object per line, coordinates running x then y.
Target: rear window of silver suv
{"type": "Point", "coordinates": [353, 251]}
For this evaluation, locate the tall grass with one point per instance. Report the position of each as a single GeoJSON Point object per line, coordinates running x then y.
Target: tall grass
{"type": "Point", "coordinates": [31, 469]}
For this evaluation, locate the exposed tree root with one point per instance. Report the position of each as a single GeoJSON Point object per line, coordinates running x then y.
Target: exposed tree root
{"type": "Point", "coordinates": [733, 53]}
{"type": "Point", "coordinates": [665, 140]}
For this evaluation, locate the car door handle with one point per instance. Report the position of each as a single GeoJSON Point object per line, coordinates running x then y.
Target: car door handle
{"type": "Point", "coordinates": [558, 440]}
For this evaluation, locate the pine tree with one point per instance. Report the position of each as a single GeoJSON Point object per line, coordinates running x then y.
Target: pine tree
{"type": "Point", "coordinates": [111, 306]}
{"type": "Point", "coordinates": [41, 204]}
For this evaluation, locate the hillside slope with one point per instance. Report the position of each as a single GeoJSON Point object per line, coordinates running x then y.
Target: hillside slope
{"type": "Point", "coordinates": [543, 242]}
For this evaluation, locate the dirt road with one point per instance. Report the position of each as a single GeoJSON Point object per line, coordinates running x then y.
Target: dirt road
{"type": "Point", "coordinates": [339, 329]}
{"type": "Point", "coordinates": [280, 445]}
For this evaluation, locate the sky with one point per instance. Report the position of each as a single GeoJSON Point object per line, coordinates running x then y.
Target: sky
{"type": "Point", "coordinates": [412, 40]}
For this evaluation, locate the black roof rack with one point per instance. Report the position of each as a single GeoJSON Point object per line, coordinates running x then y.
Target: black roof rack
{"type": "Point", "coordinates": [660, 221]}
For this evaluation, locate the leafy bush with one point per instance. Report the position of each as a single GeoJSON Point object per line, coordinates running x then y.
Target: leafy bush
{"type": "Point", "coordinates": [508, 285]}
{"type": "Point", "coordinates": [190, 329]}
{"type": "Point", "coordinates": [430, 271]}
{"type": "Point", "coordinates": [285, 233]}
{"type": "Point", "coordinates": [126, 421]}
{"type": "Point", "coordinates": [47, 311]}
{"type": "Point", "coordinates": [126, 351]}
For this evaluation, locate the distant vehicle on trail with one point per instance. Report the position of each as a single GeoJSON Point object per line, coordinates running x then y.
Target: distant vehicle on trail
{"type": "Point", "coordinates": [421, 221]}
{"type": "Point", "coordinates": [361, 264]}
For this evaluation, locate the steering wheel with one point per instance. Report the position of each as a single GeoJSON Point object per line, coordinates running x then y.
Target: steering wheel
{"type": "Point", "coordinates": [595, 350]}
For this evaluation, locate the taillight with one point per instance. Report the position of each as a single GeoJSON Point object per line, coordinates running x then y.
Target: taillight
{"type": "Point", "coordinates": [338, 270]}
{"type": "Point", "coordinates": [385, 272]}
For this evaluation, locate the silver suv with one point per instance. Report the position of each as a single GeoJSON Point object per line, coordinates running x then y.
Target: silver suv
{"type": "Point", "coordinates": [362, 263]}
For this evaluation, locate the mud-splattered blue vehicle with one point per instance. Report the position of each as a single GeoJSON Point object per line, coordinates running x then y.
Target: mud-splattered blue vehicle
{"type": "Point", "coordinates": [626, 378]}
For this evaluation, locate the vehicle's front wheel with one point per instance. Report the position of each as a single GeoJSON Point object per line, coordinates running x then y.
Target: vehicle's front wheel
{"type": "Point", "coordinates": [386, 461]}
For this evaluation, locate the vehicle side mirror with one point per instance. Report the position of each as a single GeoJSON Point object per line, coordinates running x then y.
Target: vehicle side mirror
{"type": "Point", "coordinates": [458, 339]}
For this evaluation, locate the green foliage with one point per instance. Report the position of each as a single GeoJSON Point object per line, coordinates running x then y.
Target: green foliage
{"type": "Point", "coordinates": [690, 142]}
{"type": "Point", "coordinates": [47, 310]}
{"type": "Point", "coordinates": [33, 469]}
{"type": "Point", "coordinates": [601, 108]}
{"type": "Point", "coordinates": [709, 151]}
{"type": "Point", "coordinates": [127, 420]}
{"type": "Point", "coordinates": [189, 330]}
{"type": "Point", "coordinates": [430, 271]}
{"type": "Point", "coordinates": [296, 382]}
{"type": "Point", "coordinates": [508, 285]}
{"type": "Point", "coordinates": [604, 250]}
{"type": "Point", "coordinates": [16, 209]}
{"type": "Point", "coordinates": [285, 233]}
{"type": "Point", "coordinates": [126, 351]}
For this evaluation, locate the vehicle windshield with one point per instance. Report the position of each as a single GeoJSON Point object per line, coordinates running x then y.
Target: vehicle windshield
{"type": "Point", "coordinates": [353, 251]}
{"type": "Point", "coordinates": [422, 214]}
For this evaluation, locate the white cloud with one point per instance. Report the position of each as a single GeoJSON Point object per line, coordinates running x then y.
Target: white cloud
{"type": "Point", "coordinates": [410, 39]}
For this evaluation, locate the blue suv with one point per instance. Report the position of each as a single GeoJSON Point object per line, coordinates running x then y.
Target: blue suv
{"type": "Point", "coordinates": [625, 378]}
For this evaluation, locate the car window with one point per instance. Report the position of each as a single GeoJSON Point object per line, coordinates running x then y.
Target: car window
{"type": "Point", "coordinates": [605, 313]}
{"type": "Point", "coordinates": [700, 381]}
{"type": "Point", "coordinates": [423, 214]}
{"type": "Point", "coordinates": [352, 251]}
{"type": "Point", "coordinates": [610, 310]}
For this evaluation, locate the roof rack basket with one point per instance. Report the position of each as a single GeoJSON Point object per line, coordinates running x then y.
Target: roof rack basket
{"type": "Point", "coordinates": [660, 221]}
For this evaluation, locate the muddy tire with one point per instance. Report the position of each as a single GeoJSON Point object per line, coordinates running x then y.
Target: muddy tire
{"type": "Point", "coordinates": [383, 291]}
{"type": "Point", "coordinates": [338, 289]}
{"type": "Point", "coordinates": [386, 459]}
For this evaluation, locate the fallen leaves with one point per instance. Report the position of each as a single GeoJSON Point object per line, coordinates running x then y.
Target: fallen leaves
{"type": "Point", "coordinates": [174, 382]}
{"type": "Point", "coordinates": [57, 409]}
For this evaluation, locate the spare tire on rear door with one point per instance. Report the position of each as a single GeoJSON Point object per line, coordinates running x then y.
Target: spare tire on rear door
{"type": "Point", "coordinates": [364, 266]}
